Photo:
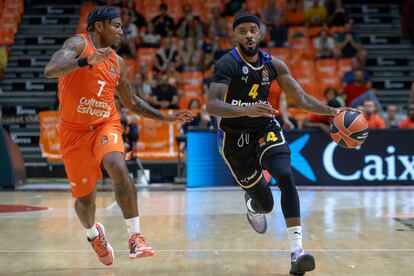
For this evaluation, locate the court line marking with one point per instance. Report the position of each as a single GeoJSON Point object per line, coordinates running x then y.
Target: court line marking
{"type": "Point", "coordinates": [214, 250]}
{"type": "Point", "coordinates": [111, 206]}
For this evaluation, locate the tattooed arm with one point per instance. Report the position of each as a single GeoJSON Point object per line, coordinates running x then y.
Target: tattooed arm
{"type": "Point", "coordinates": [65, 60]}
{"type": "Point", "coordinates": [293, 89]}
{"type": "Point", "coordinates": [139, 106]}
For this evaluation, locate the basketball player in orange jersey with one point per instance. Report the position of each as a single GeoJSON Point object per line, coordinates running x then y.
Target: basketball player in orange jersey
{"type": "Point", "coordinates": [89, 73]}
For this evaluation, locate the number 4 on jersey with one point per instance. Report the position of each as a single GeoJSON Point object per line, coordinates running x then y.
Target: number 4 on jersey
{"type": "Point", "coordinates": [253, 91]}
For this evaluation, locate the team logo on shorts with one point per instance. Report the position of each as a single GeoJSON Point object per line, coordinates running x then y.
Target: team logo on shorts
{"type": "Point", "coordinates": [104, 140]}
{"type": "Point", "coordinates": [245, 70]}
{"type": "Point", "coordinates": [112, 69]}
{"type": "Point", "coordinates": [262, 141]}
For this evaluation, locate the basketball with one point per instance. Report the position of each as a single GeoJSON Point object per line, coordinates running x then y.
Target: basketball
{"type": "Point", "coordinates": [349, 129]}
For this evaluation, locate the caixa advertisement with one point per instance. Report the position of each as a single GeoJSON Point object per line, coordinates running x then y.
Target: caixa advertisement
{"type": "Point", "coordinates": [386, 158]}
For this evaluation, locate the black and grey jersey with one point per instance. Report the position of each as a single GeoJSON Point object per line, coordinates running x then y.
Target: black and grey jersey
{"type": "Point", "coordinates": [248, 84]}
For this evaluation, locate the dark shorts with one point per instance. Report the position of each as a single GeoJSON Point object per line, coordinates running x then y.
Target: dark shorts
{"type": "Point", "coordinates": [243, 153]}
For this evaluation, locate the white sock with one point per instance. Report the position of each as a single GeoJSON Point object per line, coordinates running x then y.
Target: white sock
{"type": "Point", "coordinates": [92, 233]}
{"type": "Point", "coordinates": [133, 225]}
{"type": "Point", "coordinates": [249, 205]}
{"type": "Point", "coordinates": [295, 237]}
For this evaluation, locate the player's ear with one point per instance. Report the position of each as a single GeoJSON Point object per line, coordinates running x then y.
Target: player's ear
{"type": "Point", "coordinates": [99, 26]}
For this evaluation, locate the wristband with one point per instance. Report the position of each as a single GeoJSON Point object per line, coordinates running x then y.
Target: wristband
{"type": "Point", "coordinates": [82, 62]}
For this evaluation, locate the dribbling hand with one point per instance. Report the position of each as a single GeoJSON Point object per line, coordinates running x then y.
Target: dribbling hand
{"type": "Point", "coordinates": [261, 110]}
{"type": "Point", "coordinates": [99, 56]}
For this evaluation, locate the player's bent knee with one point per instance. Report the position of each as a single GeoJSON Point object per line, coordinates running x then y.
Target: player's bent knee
{"type": "Point", "coordinates": [266, 207]}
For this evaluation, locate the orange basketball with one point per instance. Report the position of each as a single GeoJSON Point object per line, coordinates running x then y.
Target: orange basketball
{"type": "Point", "coordinates": [349, 129]}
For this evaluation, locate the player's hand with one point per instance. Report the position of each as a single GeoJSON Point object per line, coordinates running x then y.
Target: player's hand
{"type": "Point", "coordinates": [261, 110]}
{"type": "Point", "coordinates": [184, 116]}
{"type": "Point", "coordinates": [99, 56]}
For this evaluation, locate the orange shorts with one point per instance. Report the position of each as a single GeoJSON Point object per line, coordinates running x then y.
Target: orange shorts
{"type": "Point", "coordinates": [83, 151]}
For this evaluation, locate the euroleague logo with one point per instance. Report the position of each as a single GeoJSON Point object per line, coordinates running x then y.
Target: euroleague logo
{"type": "Point", "coordinates": [265, 75]}
{"type": "Point", "coordinates": [112, 69]}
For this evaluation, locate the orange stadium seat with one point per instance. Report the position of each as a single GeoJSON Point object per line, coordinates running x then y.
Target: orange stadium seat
{"type": "Point", "coordinates": [344, 65]}
{"type": "Point", "coordinates": [303, 67]}
{"type": "Point", "coordinates": [282, 53]}
{"type": "Point", "coordinates": [314, 31]}
{"type": "Point", "coordinates": [297, 32]}
{"type": "Point", "coordinates": [192, 78]}
{"type": "Point", "coordinates": [329, 80]}
{"type": "Point", "coordinates": [147, 55]}
{"type": "Point", "coordinates": [326, 65]}
{"type": "Point", "coordinates": [6, 36]}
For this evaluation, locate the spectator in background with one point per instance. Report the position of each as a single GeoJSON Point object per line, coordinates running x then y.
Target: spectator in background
{"type": "Point", "coordinates": [349, 45]}
{"type": "Point", "coordinates": [166, 54]}
{"type": "Point", "coordinates": [294, 14]}
{"type": "Point", "coordinates": [217, 22]}
{"type": "Point", "coordinates": [187, 12]}
{"type": "Point", "coordinates": [370, 112]}
{"type": "Point", "coordinates": [174, 77]}
{"type": "Point", "coordinates": [129, 37]}
{"type": "Point", "coordinates": [409, 121]}
{"type": "Point", "coordinates": [391, 116]}
{"type": "Point", "coordinates": [356, 88]}
{"type": "Point", "coordinates": [130, 132]}
{"type": "Point", "coordinates": [231, 7]}
{"type": "Point", "coordinates": [147, 75]}
{"type": "Point", "coordinates": [137, 18]}
{"type": "Point", "coordinates": [202, 120]}
{"type": "Point", "coordinates": [278, 33]}
{"type": "Point", "coordinates": [164, 24]}
{"type": "Point", "coordinates": [271, 12]}
{"type": "Point", "coordinates": [164, 96]}
{"type": "Point", "coordinates": [324, 45]}
{"type": "Point", "coordinates": [316, 14]}
{"type": "Point", "coordinates": [191, 28]}
{"type": "Point", "coordinates": [150, 39]}
{"type": "Point", "coordinates": [332, 94]}
{"type": "Point", "coordinates": [263, 31]}
{"type": "Point", "coordinates": [210, 45]}
{"type": "Point", "coordinates": [320, 121]}
{"type": "Point", "coordinates": [339, 16]}
{"type": "Point", "coordinates": [349, 76]}
{"type": "Point", "coordinates": [142, 88]}
{"type": "Point", "coordinates": [190, 57]}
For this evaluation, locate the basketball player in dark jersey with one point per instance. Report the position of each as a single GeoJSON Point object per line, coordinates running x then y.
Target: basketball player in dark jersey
{"type": "Point", "coordinates": [252, 139]}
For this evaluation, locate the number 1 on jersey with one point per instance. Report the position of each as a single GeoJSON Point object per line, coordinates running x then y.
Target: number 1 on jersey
{"type": "Point", "coordinates": [102, 84]}
{"type": "Point", "coordinates": [253, 91]}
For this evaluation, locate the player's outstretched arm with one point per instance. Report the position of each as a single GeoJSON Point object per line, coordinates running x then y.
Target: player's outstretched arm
{"type": "Point", "coordinates": [139, 106]}
{"type": "Point", "coordinates": [293, 89]}
{"type": "Point", "coordinates": [216, 105]}
{"type": "Point", "coordinates": [64, 60]}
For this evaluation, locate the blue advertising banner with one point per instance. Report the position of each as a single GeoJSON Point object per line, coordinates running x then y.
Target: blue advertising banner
{"type": "Point", "coordinates": [386, 158]}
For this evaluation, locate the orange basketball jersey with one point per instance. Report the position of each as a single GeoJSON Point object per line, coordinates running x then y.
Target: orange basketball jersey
{"type": "Point", "coordinates": [86, 95]}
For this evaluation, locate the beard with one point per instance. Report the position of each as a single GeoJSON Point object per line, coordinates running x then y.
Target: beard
{"type": "Point", "coordinates": [247, 52]}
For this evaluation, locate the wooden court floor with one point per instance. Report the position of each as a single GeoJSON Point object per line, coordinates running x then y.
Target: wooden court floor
{"type": "Point", "coordinates": [206, 233]}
